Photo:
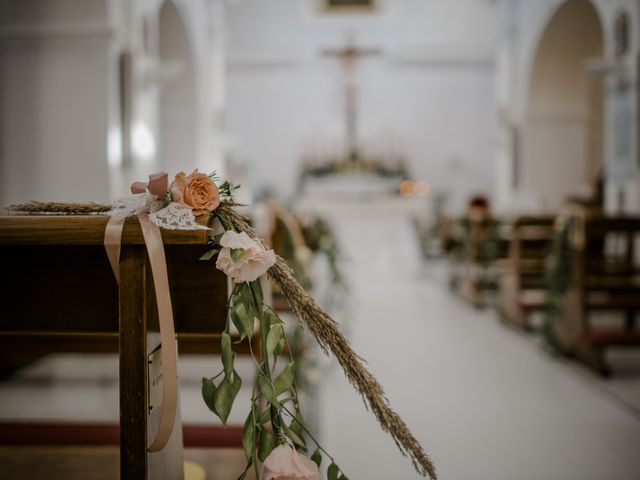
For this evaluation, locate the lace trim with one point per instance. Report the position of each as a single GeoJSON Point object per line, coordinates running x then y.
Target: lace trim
{"type": "Point", "coordinates": [176, 217]}
{"type": "Point", "coordinates": [126, 206]}
{"type": "Point", "coordinates": [172, 217]}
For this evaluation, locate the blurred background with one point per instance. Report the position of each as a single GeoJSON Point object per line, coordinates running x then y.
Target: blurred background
{"type": "Point", "coordinates": [456, 181]}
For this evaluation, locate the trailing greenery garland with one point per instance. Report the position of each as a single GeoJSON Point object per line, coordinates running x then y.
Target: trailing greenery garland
{"type": "Point", "coordinates": [330, 338]}
{"type": "Point", "coordinates": [558, 264]}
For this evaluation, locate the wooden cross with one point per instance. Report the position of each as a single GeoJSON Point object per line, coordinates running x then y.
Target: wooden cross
{"type": "Point", "coordinates": [349, 56]}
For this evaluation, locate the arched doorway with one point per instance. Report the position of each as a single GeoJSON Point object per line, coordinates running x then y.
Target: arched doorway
{"type": "Point", "coordinates": [563, 146]}
{"type": "Point", "coordinates": [177, 109]}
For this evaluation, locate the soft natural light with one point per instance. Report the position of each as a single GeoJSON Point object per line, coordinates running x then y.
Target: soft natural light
{"type": "Point", "coordinates": [142, 142]}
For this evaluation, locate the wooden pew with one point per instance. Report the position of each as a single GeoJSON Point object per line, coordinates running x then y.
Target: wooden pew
{"type": "Point", "coordinates": [604, 275]}
{"type": "Point", "coordinates": [482, 247]}
{"type": "Point", "coordinates": [521, 282]}
{"type": "Point", "coordinates": [60, 291]}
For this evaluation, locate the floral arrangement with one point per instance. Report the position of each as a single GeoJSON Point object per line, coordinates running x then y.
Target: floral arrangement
{"type": "Point", "coordinates": [276, 441]}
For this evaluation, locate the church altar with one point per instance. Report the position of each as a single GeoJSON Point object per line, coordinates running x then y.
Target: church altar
{"type": "Point", "coordinates": [351, 185]}
{"type": "Point", "coordinates": [358, 192]}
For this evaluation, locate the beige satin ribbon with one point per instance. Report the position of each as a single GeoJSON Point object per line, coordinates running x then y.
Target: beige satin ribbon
{"type": "Point", "coordinates": [112, 241]}
{"type": "Point", "coordinates": [169, 353]}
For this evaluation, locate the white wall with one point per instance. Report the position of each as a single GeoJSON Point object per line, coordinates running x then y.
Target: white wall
{"type": "Point", "coordinates": [430, 94]}
{"type": "Point", "coordinates": [55, 75]}
{"type": "Point", "coordinates": [521, 27]}
{"type": "Point", "coordinates": [60, 131]}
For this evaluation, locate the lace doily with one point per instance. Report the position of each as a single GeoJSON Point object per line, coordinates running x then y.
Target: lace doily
{"type": "Point", "coordinates": [136, 203]}
{"type": "Point", "coordinates": [172, 217]}
{"type": "Point", "coordinates": [176, 217]}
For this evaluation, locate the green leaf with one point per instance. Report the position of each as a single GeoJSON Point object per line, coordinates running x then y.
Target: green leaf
{"type": "Point", "coordinates": [265, 327]}
{"type": "Point", "coordinates": [267, 444]}
{"type": "Point", "coordinates": [256, 288]}
{"type": "Point", "coordinates": [216, 238]}
{"type": "Point", "coordinates": [268, 318]}
{"type": "Point", "coordinates": [297, 424]}
{"type": "Point", "coordinates": [284, 381]}
{"type": "Point", "coordinates": [317, 457]}
{"type": "Point", "coordinates": [265, 416]}
{"type": "Point", "coordinates": [209, 394]}
{"type": "Point", "coordinates": [236, 253]}
{"type": "Point", "coordinates": [249, 436]}
{"type": "Point", "coordinates": [332, 472]}
{"type": "Point", "coordinates": [295, 438]}
{"type": "Point", "coordinates": [273, 338]}
{"type": "Point", "coordinates": [272, 316]}
{"type": "Point", "coordinates": [244, 290]}
{"type": "Point", "coordinates": [225, 395]}
{"type": "Point", "coordinates": [267, 389]}
{"type": "Point", "coordinates": [227, 354]}
{"type": "Point", "coordinates": [242, 318]}
{"type": "Point", "coordinates": [342, 477]}
{"type": "Point", "coordinates": [209, 255]}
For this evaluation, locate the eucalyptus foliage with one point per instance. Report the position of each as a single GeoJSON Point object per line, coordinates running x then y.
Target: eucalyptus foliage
{"type": "Point", "coordinates": [275, 416]}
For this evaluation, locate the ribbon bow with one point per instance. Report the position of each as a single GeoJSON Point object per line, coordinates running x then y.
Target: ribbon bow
{"type": "Point", "coordinates": [158, 184]}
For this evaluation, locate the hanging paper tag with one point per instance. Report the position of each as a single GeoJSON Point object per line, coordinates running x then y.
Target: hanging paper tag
{"type": "Point", "coordinates": [155, 379]}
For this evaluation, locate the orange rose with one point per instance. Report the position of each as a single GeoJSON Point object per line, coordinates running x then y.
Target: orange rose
{"type": "Point", "coordinates": [195, 191]}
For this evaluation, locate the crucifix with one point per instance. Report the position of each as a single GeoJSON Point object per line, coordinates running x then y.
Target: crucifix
{"type": "Point", "coordinates": [349, 56]}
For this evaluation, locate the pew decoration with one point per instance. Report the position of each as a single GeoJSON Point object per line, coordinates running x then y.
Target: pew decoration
{"type": "Point", "coordinates": [275, 434]}
{"type": "Point", "coordinates": [319, 236]}
{"type": "Point", "coordinates": [593, 268]}
{"type": "Point", "coordinates": [558, 278]}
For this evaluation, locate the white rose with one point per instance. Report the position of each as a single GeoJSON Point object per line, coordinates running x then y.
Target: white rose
{"type": "Point", "coordinates": [252, 262]}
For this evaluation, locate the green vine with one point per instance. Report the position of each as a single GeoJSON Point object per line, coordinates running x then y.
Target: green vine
{"type": "Point", "coordinates": [275, 417]}
{"type": "Point", "coordinates": [558, 277]}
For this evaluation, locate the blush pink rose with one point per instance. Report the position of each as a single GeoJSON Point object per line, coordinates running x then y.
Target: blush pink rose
{"type": "Point", "coordinates": [284, 463]}
{"type": "Point", "coordinates": [195, 191]}
{"type": "Point", "coordinates": [253, 262]}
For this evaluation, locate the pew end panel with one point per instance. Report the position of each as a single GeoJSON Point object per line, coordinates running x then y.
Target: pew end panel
{"type": "Point", "coordinates": [604, 277]}
{"type": "Point", "coordinates": [62, 295]}
{"type": "Point", "coordinates": [521, 283]}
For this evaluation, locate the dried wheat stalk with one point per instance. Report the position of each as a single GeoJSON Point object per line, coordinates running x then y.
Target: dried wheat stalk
{"type": "Point", "coordinates": [329, 336]}
{"type": "Point", "coordinates": [57, 208]}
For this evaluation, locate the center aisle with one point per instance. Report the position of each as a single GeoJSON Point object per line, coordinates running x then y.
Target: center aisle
{"type": "Point", "coordinates": [484, 401]}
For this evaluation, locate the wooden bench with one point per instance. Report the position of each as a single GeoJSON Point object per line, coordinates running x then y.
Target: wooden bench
{"type": "Point", "coordinates": [522, 277]}
{"type": "Point", "coordinates": [60, 293]}
{"type": "Point", "coordinates": [483, 246]}
{"type": "Point", "coordinates": [604, 276]}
